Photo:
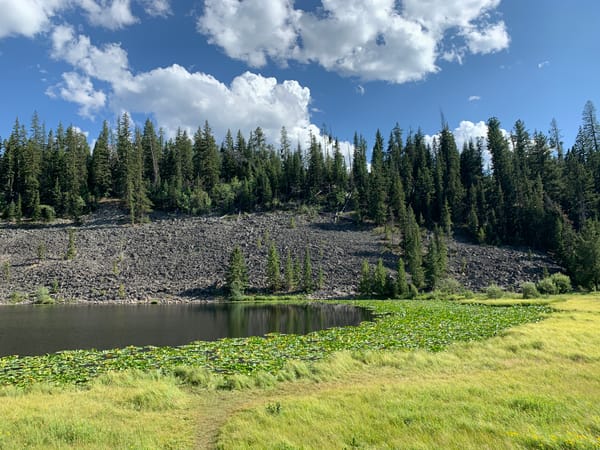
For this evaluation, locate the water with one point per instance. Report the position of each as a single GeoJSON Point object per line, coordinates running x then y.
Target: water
{"type": "Point", "coordinates": [37, 330]}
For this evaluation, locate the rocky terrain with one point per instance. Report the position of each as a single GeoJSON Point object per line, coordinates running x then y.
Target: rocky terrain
{"type": "Point", "coordinates": [176, 258]}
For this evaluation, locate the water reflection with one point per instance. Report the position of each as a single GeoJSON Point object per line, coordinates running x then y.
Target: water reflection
{"type": "Point", "coordinates": [31, 330]}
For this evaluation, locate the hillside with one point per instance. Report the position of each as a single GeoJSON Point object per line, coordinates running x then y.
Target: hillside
{"type": "Point", "coordinates": [184, 258]}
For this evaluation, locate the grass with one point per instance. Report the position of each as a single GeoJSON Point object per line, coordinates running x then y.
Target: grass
{"type": "Point", "coordinates": [532, 386]}
{"type": "Point", "coordinates": [118, 411]}
{"type": "Point", "coordinates": [536, 386]}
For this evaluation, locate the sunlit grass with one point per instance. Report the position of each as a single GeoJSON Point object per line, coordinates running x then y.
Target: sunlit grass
{"type": "Point", "coordinates": [117, 411]}
{"type": "Point", "coordinates": [537, 386]}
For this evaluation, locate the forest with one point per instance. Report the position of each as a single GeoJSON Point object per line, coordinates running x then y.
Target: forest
{"type": "Point", "coordinates": [534, 192]}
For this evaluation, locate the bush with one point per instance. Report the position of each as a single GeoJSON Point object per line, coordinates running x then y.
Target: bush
{"type": "Point", "coordinates": [562, 282]}
{"type": "Point", "coordinates": [42, 297]}
{"type": "Point", "coordinates": [47, 213]}
{"type": "Point", "coordinates": [547, 287]}
{"type": "Point", "coordinates": [450, 286]}
{"type": "Point", "coordinates": [529, 290]}
{"type": "Point", "coordinates": [494, 291]}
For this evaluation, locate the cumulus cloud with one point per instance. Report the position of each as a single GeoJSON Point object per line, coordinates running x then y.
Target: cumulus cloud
{"type": "Point", "coordinates": [27, 17]}
{"type": "Point", "coordinates": [30, 17]}
{"type": "Point", "coordinates": [113, 14]}
{"type": "Point", "coordinates": [369, 39]}
{"type": "Point", "coordinates": [79, 89]}
{"type": "Point", "coordinates": [474, 98]}
{"type": "Point", "coordinates": [487, 39]}
{"type": "Point", "coordinates": [177, 97]}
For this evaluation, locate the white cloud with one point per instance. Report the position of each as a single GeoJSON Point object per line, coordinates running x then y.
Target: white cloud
{"type": "Point", "coordinates": [157, 8]}
{"type": "Point", "coordinates": [177, 97]}
{"type": "Point", "coordinates": [487, 39]}
{"type": "Point", "coordinates": [30, 17]}
{"type": "Point", "coordinates": [78, 89]}
{"type": "Point", "coordinates": [113, 14]}
{"type": "Point", "coordinates": [370, 39]}
{"type": "Point", "coordinates": [543, 64]}
{"type": "Point", "coordinates": [474, 98]}
{"type": "Point", "coordinates": [360, 89]}
{"type": "Point", "coordinates": [109, 63]}
{"type": "Point", "coordinates": [27, 17]}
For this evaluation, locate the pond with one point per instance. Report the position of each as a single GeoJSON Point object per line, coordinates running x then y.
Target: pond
{"type": "Point", "coordinates": [37, 330]}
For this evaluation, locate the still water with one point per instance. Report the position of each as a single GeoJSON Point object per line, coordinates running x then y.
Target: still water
{"type": "Point", "coordinates": [36, 330]}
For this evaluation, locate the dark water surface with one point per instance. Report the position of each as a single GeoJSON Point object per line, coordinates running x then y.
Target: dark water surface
{"type": "Point", "coordinates": [36, 330]}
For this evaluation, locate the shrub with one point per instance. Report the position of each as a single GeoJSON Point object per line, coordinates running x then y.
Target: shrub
{"type": "Point", "coordinates": [42, 297]}
{"type": "Point", "coordinates": [546, 286]}
{"type": "Point", "coordinates": [47, 213]}
{"type": "Point", "coordinates": [18, 297]}
{"type": "Point", "coordinates": [529, 290]}
{"type": "Point", "coordinates": [413, 292]}
{"type": "Point", "coordinates": [562, 282]}
{"type": "Point", "coordinates": [450, 286]}
{"type": "Point", "coordinates": [71, 249]}
{"type": "Point", "coordinates": [494, 291]}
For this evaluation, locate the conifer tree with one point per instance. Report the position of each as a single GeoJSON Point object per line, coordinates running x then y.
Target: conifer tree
{"type": "Point", "coordinates": [307, 281]}
{"type": "Point", "coordinates": [379, 279]}
{"type": "Point", "coordinates": [365, 282]}
{"type": "Point", "coordinates": [401, 283]}
{"type": "Point", "coordinates": [289, 271]}
{"type": "Point", "coordinates": [273, 269]}
{"type": "Point", "coordinates": [236, 278]}
{"type": "Point", "coordinates": [101, 176]}
{"type": "Point", "coordinates": [413, 250]}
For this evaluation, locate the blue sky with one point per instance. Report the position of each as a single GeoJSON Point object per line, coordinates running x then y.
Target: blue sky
{"type": "Point", "coordinates": [345, 65]}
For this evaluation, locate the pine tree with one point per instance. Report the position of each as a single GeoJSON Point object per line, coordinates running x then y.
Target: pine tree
{"type": "Point", "coordinates": [71, 249]}
{"type": "Point", "coordinates": [273, 269]}
{"type": "Point", "coordinates": [307, 281]}
{"type": "Point", "coordinates": [365, 282]}
{"type": "Point", "coordinates": [377, 183]}
{"type": "Point", "coordinates": [413, 251]}
{"type": "Point", "coordinates": [290, 281]}
{"type": "Point", "coordinates": [236, 278]}
{"type": "Point", "coordinates": [379, 278]}
{"type": "Point", "coordinates": [401, 283]}
{"type": "Point", "coordinates": [101, 176]}
{"type": "Point", "coordinates": [207, 164]}
{"type": "Point", "coordinates": [432, 269]}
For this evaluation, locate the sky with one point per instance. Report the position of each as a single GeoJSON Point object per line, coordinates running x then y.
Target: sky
{"type": "Point", "coordinates": [339, 66]}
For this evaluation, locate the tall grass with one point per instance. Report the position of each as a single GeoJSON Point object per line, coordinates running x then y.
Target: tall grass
{"type": "Point", "coordinates": [537, 386]}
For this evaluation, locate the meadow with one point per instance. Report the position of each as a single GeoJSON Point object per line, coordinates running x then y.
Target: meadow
{"type": "Point", "coordinates": [424, 374]}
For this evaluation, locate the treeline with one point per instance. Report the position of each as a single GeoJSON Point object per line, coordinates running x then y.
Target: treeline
{"type": "Point", "coordinates": [535, 193]}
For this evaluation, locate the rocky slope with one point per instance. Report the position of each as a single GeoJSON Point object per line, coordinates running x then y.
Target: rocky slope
{"type": "Point", "coordinates": [185, 258]}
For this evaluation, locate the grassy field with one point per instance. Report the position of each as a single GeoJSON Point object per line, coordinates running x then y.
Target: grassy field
{"type": "Point", "coordinates": [536, 386]}
{"type": "Point", "coordinates": [533, 386]}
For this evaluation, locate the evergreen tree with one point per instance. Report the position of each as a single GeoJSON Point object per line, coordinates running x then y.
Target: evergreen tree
{"type": "Point", "coordinates": [401, 283]}
{"type": "Point", "coordinates": [290, 281]}
{"type": "Point", "coordinates": [413, 250]}
{"type": "Point", "coordinates": [101, 173]}
{"type": "Point", "coordinates": [365, 282]}
{"type": "Point", "coordinates": [307, 281]}
{"type": "Point", "coordinates": [236, 278]}
{"type": "Point", "coordinates": [377, 183]}
{"type": "Point", "coordinates": [273, 269]}
{"type": "Point", "coordinates": [379, 279]}
{"type": "Point", "coordinates": [206, 158]}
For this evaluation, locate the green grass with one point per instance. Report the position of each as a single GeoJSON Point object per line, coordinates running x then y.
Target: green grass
{"type": "Point", "coordinates": [125, 411]}
{"type": "Point", "coordinates": [536, 386]}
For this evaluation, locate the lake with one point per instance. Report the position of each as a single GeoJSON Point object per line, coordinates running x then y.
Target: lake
{"type": "Point", "coordinates": [37, 330]}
